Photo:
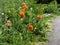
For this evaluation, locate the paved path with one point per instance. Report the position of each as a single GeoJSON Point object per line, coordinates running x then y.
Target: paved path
{"type": "Point", "coordinates": [55, 34]}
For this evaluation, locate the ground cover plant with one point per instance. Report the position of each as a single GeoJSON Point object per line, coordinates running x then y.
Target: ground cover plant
{"type": "Point", "coordinates": [22, 22]}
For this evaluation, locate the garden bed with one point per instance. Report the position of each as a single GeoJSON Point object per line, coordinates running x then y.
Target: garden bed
{"type": "Point", "coordinates": [25, 23]}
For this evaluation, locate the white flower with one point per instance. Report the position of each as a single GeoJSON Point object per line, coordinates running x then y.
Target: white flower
{"type": "Point", "coordinates": [31, 9]}
{"type": "Point", "coordinates": [47, 14]}
{"type": "Point", "coordinates": [2, 13]}
{"type": "Point", "coordinates": [35, 28]}
{"type": "Point", "coordinates": [20, 7]}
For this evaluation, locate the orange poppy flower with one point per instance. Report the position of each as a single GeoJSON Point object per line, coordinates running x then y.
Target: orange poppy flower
{"type": "Point", "coordinates": [30, 27]}
{"type": "Point", "coordinates": [25, 7]}
{"type": "Point", "coordinates": [22, 15]}
{"type": "Point", "coordinates": [39, 16]}
{"type": "Point", "coordinates": [23, 4]}
{"type": "Point", "coordinates": [8, 24]}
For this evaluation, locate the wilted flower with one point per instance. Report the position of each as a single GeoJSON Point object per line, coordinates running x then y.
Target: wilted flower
{"type": "Point", "coordinates": [42, 9]}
